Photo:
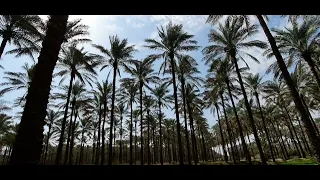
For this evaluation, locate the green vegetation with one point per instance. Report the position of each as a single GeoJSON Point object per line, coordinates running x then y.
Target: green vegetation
{"type": "Point", "coordinates": [122, 121]}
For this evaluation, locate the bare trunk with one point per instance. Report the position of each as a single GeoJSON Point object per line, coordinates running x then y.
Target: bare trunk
{"type": "Point", "coordinates": [115, 67]}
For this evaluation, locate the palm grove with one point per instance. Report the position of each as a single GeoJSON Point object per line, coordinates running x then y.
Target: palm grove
{"type": "Point", "coordinates": [122, 121]}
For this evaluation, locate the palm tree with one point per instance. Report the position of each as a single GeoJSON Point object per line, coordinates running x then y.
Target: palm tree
{"type": "Point", "coordinates": [254, 84]}
{"type": "Point", "coordinates": [121, 109]}
{"type": "Point", "coordinates": [128, 95]}
{"type": "Point", "coordinates": [300, 42]}
{"type": "Point", "coordinates": [160, 93]}
{"type": "Point", "coordinates": [75, 63]}
{"type": "Point", "coordinates": [149, 102]}
{"type": "Point", "coordinates": [117, 56]}
{"type": "Point", "coordinates": [5, 123]}
{"type": "Point", "coordinates": [141, 75]}
{"type": "Point", "coordinates": [229, 41]}
{"type": "Point", "coordinates": [75, 34]}
{"type": "Point", "coordinates": [19, 30]}
{"type": "Point", "coordinates": [103, 91]}
{"type": "Point", "coordinates": [224, 72]}
{"type": "Point", "coordinates": [19, 80]}
{"type": "Point", "coordinates": [286, 75]}
{"type": "Point", "coordinates": [187, 73]}
{"type": "Point", "coordinates": [173, 41]}
{"type": "Point", "coordinates": [28, 145]}
{"type": "Point", "coordinates": [52, 117]}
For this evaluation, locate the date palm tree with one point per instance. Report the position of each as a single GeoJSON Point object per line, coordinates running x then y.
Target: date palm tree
{"type": "Point", "coordinates": [75, 33]}
{"type": "Point", "coordinates": [75, 64]}
{"type": "Point", "coordinates": [18, 30]}
{"type": "Point", "coordinates": [285, 73]}
{"type": "Point", "coordinates": [229, 41]}
{"type": "Point", "coordinates": [300, 42]}
{"type": "Point", "coordinates": [17, 81]}
{"type": "Point", "coordinates": [128, 96]}
{"type": "Point", "coordinates": [173, 41]}
{"type": "Point", "coordinates": [142, 74]}
{"type": "Point", "coordinates": [160, 93]}
{"type": "Point", "coordinates": [103, 91]}
{"type": "Point", "coordinates": [254, 84]}
{"type": "Point", "coordinates": [28, 144]}
{"type": "Point", "coordinates": [117, 56]}
{"type": "Point", "coordinates": [52, 117]}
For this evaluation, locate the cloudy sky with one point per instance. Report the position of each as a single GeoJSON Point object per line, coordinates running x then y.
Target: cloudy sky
{"type": "Point", "coordinates": [137, 28]}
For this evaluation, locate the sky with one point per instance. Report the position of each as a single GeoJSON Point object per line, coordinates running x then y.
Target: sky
{"type": "Point", "coordinates": [136, 28]}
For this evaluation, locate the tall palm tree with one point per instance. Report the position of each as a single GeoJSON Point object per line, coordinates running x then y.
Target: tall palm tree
{"type": "Point", "coordinates": [19, 30]}
{"type": "Point", "coordinates": [103, 91]}
{"type": "Point", "coordinates": [128, 96]}
{"type": "Point", "coordinates": [300, 42]}
{"type": "Point", "coordinates": [229, 41]}
{"type": "Point", "coordinates": [224, 72]}
{"type": "Point", "coordinates": [187, 73]}
{"type": "Point", "coordinates": [142, 74]}
{"type": "Point", "coordinates": [28, 144]}
{"type": "Point", "coordinates": [121, 111]}
{"type": "Point", "coordinates": [255, 85]}
{"type": "Point", "coordinates": [17, 81]}
{"type": "Point", "coordinates": [161, 95]}
{"type": "Point", "coordinates": [75, 33]}
{"type": "Point", "coordinates": [117, 56]}
{"type": "Point", "coordinates": [75, 63]}
{"type": "Point", "coordinates": [173, 41]}
{"type": "Point", "coordinates": [148, 102]}
{"type": "Point", "coordinates": [286, 75]}
{"type": "Point", "coordinates": [52, 117]}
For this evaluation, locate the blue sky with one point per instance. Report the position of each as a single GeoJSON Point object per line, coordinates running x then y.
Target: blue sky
{"type": "Point", "coordinates": [137, 28]}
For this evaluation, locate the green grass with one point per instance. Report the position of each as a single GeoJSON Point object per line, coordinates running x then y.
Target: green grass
{"type": "Point", "coordinates": [299, 161]}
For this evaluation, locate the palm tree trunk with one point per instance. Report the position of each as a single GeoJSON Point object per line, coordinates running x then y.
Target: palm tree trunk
{"type": "Point", "coordinates": [99, 132]}
{"type": "Point", "coordinates": [243, 141]}
{"type": "Point", "coordinates": [28, 142]}
{"type": "Point", "coordinates": [265, 127]}
{"type": "Point", "coordinates": [221, 134]}
{"type": "Point", "coordinates": [148, 138]}
{"type": "Point", "coordinates": [120, 152]}
{"type": "Point", "coordinates": [72, 137]}
{"type": "Point", "coordinates": [304, 138]}
{"type": "Point", "coordinates": [154, 147]}
{"type": "Point", "coordinates": [205, 158]}
{"type": "Point", "coordinates": [66, 155]}
{"type": "Point", "coordinates": [248, 108]}
{"type": "Point", "coordinates": [283, 147]}
{"type": "Point", "coordinates": [193, 137]}
{"type": "Point", "coordinates": [295, 134]}
{"type": "Point", "coordinates": [47, 143]}
{"type": "Point", "coordinates": [228, 129]}
{"type": "Point", "coordinates": [115, 67]}
{"type": "Point", "coordinates": [103, 130]}
{"type": "Point", "coordinates": [312, 121]}
{"type": "Point", "coordinates": [64, 121]}
{"type": "Point", "coordinates": [131, 125]}
{"type": "Point", "coordinates": [141, 124]}
{"type": "Point", "coordinates": [185, 119]}
{"type": "Point", "coordinates": [176, 107]}
{"type": "Point", "coordinates": [315, 141]}
{"type": "Point", "coordinates": [160, 133]}
{"type": "Point", "coordinates": [3, 44]}
{"type": "Point", "coordinates": [312, 65]}
{"type": "Point", "coordinates": [4, 156]}
{"type": "Point", "coordinates": [135, 143]}
{"type": "Point", "coordinates": [94, 147]}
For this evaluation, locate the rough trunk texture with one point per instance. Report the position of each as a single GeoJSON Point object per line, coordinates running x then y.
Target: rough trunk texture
{"type": "Point", "coordinates": [176, 108]}
{"type": "Point", "coordinates": [28, 143]}
{"type": "Point", "coordinates": [141, 124]}
{"type": "Point", "coordinates": [296, 98]}
{"type": "Point", "coordinates": [115, 67]}
{"type": "Point", "coordinates": [243, 142]}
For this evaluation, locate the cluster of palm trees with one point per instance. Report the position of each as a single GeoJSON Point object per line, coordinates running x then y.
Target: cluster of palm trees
{"type": "Point", "coordinates": [92, 122]}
